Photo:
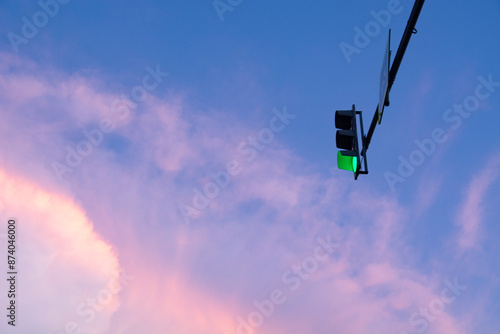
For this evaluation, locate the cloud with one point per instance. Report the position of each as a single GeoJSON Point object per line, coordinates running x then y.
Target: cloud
{"type": "Point", "coordinates": [470, 217]}
{"type": "Point", "coordinates": [61, 261]}
{"type": "Point", "coordinates": [199, 278]}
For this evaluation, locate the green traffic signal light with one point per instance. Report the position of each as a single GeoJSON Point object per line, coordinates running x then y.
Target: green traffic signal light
{"type": "Point", "coordinates": [347, 160]}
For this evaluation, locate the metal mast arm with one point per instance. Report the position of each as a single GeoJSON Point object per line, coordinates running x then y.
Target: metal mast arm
{"type": "Point", "coordinates": [410, 29]}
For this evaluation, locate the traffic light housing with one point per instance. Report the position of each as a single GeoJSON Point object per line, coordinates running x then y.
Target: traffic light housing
{"type": "Point", "coordinates": [347, 140]}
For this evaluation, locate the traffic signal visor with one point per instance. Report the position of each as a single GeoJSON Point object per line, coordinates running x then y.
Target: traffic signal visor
{"type": "Point", "coordinates": [346, 139]}
{"type": "Point", "coordinates": [347, 160]}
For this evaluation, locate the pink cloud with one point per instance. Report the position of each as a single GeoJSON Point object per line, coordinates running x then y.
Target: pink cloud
{"type": "Point", "coordinates": [61, 260]}
{"type": "Point", "coordinates": [201, 278]}
{"type": "Point", "coordinates": [470, 217]}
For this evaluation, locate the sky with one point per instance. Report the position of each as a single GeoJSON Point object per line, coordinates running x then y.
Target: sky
{"type": "Point", "coordinates": [169, 167]}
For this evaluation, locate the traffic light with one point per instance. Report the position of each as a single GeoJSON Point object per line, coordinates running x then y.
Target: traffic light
{"type": "Point", "coordinates": [347, 140]}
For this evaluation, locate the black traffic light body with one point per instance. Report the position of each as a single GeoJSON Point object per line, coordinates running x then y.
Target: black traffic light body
{"type": "Point", "coordinates": [349, 158]}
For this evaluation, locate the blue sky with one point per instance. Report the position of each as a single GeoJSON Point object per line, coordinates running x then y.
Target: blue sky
{"type": "Point", "coordinates": [232, 76]}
